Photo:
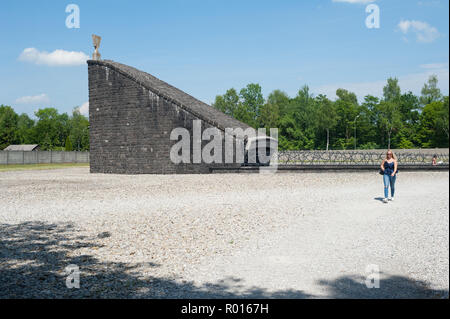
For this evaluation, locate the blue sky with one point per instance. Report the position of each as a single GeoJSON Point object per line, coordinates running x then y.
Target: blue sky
{"type": "Point", "coordinates": [206, 47]}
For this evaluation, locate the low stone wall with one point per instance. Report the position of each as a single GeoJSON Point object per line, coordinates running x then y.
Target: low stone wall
{"type": "Point", "coordinates": [361, 157]}
{"type": "Point", "coordinates": [42, 157]}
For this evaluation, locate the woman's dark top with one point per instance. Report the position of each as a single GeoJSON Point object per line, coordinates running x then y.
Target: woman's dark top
{"type": "Point", "coordinates": [389, 168]}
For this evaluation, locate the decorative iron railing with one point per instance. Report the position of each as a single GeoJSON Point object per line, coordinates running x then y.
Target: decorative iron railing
{"type": "Point", "coordinates": [355, 158]}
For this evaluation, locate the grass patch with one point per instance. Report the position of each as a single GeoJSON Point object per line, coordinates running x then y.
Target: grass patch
{"type": "Point", "coordinates": [22, 167]}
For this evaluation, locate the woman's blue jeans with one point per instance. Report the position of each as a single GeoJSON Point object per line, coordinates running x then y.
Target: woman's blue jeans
{"type": "Point", "coordinates": [389, 180]}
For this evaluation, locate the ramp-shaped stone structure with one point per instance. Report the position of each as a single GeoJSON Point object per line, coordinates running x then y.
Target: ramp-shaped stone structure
{"type": "Point", "coordinates": [132, 115]}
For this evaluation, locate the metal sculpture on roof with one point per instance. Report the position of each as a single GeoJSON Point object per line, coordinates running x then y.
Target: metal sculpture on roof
{"type": "Point", "coordinates": [96, 39]}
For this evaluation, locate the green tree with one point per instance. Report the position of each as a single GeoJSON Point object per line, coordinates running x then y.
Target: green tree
{"type": "Point", "coordinates": [25, 129]}
{"type": "Point", "coordinates": [302, 111]}
{"type": "Point", "coordinates": [79, 130]}
{"type": "Point", "coordinates": [252, 101]}
{"type": "Point", "coordinates": [304, 122]}
{"type": "Point", "coordinates": [409, 108]}
{"type": "Point", "coordinates": [327, 118]}
{"type": "Point", "coordinates": [68, 146]}
{"type": "Point", "coordinates": [431, 134]}
{"type": "Point", "coordinates": [46, 142]}
{"type": "Point", "coordinates": [51, 128]}
{"type": "Point", "coordinates": [442, 121]}
{"type": "Point", "coordinates": [390, 119]}
{"type": "Point", "coordinates": [280, 99]}
{"type": "Point", "coordinates": [348, 109]}
{"type": "Point", "coordinates": [8, 126]}
{"type": "Point", "coordinates": [403, 138]}
{"type": "Point", "coordinates": [302, 103]}
{"type": "Point", "coordinates": [430, 92]}
{"type": "Point", "coordinates": [270, 116]}
{"type": "Point", "coordinates": [391, 91]}
{"type": "Point", "coordinates": [227, 103]}
{"type": "Point", "coordinates": [275, 108]}
{"type": "Point", "coordinates": [368, 134]}
{"type": "Point", "coordinates": [291, 137]}
{"type": "Point", "coordinates": [244, 115]}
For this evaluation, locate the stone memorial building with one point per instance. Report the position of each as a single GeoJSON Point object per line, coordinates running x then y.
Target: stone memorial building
{"type": "Point", "coordinates": [132, 115]}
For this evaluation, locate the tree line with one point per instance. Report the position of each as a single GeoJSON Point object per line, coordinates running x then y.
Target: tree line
{"type": "Point", "coordinates": [51, 130]}
{"type": "Point", "coordinates": [397, 120]}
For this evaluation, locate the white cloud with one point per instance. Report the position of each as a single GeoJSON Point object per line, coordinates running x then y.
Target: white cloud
{"type": "Point", "coordinates": [434, 3]}
{"type": "Point", "coordinates": [84, 108]}
{"type": "Point", "coordinates": [435, 66]}
{"type": "Point", "coordinates": [36, 99]}
{"type": "Point", "coordinates": [55, 58]}
{"type": "Point", "coordinates": [410, 82]}
{"type": "Point", "coordinates": [355, 1]}
{"type": "Point", "coordinates": [424, 32]}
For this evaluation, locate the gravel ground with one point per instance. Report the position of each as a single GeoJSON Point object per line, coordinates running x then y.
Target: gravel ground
{"type": "Point", "coordinates": [300, 235]}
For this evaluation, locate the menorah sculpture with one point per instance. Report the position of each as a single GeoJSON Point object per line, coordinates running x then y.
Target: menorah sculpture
{"type": "Point", "coordinates": [96, 39]}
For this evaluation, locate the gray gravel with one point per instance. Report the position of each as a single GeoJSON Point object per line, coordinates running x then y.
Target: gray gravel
{"type": "Point", "coordinates": [302, 235]}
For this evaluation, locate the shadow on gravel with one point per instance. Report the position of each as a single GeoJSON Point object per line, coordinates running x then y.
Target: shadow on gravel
{"type": "Point", "coordinates": [391, 287]}
{"type": "Point", "coordinates": [33, 258]}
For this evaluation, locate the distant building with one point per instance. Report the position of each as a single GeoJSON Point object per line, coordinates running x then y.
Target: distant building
{"type": "Point", "coordinates": [23, 147]}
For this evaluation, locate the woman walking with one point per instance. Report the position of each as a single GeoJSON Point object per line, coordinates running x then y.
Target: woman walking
{"type": "Point", "coordinates": [389, 168]}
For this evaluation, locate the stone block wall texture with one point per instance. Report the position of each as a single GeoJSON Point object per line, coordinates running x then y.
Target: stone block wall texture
{"type": "Point", "coordinates": [131, 116]}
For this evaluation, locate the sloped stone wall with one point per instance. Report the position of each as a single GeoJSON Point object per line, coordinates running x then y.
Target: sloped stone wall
{"type": "Point", "coordinates": [130, 126]}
